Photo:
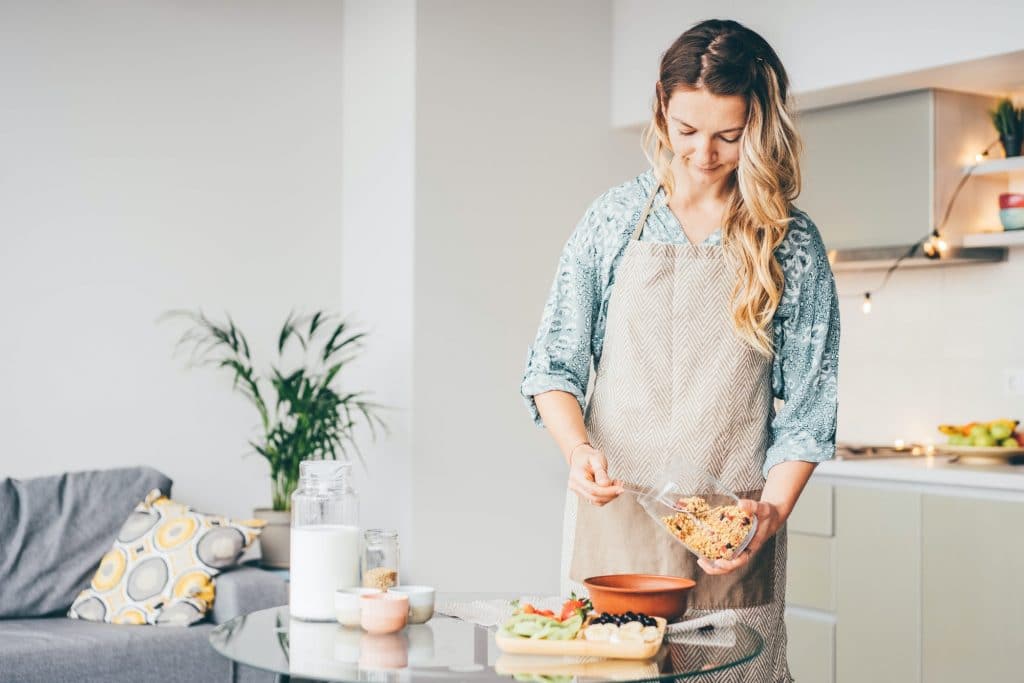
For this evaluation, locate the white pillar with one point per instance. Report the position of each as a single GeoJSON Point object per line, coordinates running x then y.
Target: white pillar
{"type": "Point", "coordinates": [377, 194]}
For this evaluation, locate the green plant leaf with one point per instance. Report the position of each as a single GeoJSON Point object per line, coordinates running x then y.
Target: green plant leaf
{"type": "Point", "coordinates": [311, 418]}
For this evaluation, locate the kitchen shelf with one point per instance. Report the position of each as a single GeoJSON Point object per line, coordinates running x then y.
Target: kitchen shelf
{"type": "Point", "coordinates": [1008, 238]}
{"type": "Point", "coordinates": [855, 260]}
{"type": "Point", "coordinates": [1009, 166]}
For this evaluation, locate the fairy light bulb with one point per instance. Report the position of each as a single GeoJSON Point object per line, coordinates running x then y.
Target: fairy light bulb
{"type": "Point", "coordinates": [935, 246]}
{"type": "Point", "coordinates": [866, 306]}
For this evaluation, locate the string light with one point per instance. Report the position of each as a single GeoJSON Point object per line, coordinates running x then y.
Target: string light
{"type": "Point", "coordinates": [933, 246]}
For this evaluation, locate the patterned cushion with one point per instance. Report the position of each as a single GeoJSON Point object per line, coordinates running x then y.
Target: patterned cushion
{"type": "Point", "coordinates": [161, 568]}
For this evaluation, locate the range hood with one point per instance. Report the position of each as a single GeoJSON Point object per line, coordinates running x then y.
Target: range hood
{"type": "Point", "coordinates": [878, 175]}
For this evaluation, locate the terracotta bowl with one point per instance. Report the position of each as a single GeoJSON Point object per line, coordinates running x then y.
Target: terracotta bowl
{"type": "Point", "coordinates": [655, 596]}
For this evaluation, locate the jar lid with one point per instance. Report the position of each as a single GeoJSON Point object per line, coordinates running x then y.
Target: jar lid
{"type": "Point", "coordinates": [324, 470]}
{"type": "Point", "coordinates": [380, 534]}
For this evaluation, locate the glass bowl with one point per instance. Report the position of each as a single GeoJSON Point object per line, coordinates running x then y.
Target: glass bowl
{"type": "Point", "coordinates": [699, 512]}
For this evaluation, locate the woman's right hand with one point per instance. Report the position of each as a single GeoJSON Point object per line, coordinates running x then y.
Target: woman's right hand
{"type": "Point", "coordinates": [588, 476]}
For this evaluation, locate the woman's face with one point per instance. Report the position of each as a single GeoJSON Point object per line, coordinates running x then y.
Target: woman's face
{"type": "Point", "coordinates": [704, 131]}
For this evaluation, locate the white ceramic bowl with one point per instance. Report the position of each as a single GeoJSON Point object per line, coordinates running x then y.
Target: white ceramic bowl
{"type": "Point", "coordinates": [421, 602]}
{"type": "Point", "coordinates": [346, 605]}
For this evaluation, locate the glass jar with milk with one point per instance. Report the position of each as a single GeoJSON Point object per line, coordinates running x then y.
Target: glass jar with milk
{"type": "Point", "coordinates": [325, 538]}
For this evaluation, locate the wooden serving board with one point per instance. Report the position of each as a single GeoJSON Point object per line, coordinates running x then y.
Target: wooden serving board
{"type": "Point", "coordinates": [613, 669]}
{"type": "Point", "coordinates": [580, 647]}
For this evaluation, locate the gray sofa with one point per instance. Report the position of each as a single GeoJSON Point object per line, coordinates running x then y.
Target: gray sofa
{"type": "Point", "coordinates": [53, 532]}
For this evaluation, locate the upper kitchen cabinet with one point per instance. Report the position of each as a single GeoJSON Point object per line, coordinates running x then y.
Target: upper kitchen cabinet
{"type": "Point", "coordinates": [878, 174]}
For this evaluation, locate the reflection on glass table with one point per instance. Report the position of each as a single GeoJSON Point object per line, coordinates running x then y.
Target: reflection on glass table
{"type": "Point", "coordinates": [453, 650]}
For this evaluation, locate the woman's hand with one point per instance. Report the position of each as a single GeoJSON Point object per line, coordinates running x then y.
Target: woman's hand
{"type": "Point", "coordinates": [769, 520]}
{"type": "Point", "coordinates": [588, 476]}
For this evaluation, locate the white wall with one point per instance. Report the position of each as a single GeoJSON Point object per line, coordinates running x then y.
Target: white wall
{"type": "Point", "coordinates": [158, 155]}
{"type": "Point", "coordinates": [378, 196]}
{"type": "Point", "coordinates": [934, 349]}
{"type": "Point", "coordinates": [512, 145]}
{"type": "Point", "coordinates": [823, 45]}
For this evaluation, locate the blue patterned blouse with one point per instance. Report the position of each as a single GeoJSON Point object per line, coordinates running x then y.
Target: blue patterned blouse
{"type": "Point", "coordinates": [806, 323]}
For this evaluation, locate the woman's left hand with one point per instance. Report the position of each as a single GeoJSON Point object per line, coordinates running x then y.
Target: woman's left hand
{"type": "Point", "coordinates": [769, 520]}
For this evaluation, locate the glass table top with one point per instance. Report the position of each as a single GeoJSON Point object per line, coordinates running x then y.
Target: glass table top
{"type": "Point", "coordinates": [450, 649]}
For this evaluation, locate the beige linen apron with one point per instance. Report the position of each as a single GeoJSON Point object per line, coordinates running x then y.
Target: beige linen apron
{"type": "Point", "coordinates": [675, 381]}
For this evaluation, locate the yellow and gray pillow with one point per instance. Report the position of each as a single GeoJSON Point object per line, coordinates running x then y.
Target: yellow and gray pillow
{"type": "Point", "coordinates": [161, 568]}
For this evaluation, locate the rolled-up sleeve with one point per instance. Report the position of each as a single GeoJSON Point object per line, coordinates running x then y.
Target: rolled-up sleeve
{"type": "Point", "coordinates": [805, 369]}
{"type": "Point", "coordinates": [559, 358]}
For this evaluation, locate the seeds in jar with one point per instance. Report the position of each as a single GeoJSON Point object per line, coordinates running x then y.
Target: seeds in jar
{"type": "Point", "coordinates": [712, 532]}
{"type": "Point", "coordinates": [380, 577]}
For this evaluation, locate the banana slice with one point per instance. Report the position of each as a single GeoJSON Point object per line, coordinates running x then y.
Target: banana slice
{"type": "Point", "coordinates": [599, 632]}
{"type": "Point", "coordinates": [650, 634]}
{"type": "Point", "coordinates": [631, 627]}
{"type": "Point", "coordinates": [629, 635]}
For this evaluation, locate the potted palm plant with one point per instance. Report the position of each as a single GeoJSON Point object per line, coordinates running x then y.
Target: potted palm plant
{"type": "Point", "coordinates": [303, 414]}
{"type": "Point", "coordinates": [1009, 122]}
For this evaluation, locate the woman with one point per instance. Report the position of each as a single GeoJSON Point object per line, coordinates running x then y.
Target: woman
{"type": "Point", "coordinates": [701, 294]}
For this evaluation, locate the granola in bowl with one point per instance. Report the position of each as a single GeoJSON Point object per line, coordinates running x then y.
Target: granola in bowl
{"type": "Point", "coordinates": [715, 533]}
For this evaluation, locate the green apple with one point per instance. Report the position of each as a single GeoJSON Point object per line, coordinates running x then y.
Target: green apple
{"type": "Point", "coordinates": [1008, 443]}
{"type": "Point", "coordinates": [958, 440]}
{"type": "Point", "coordinates": [984, 440]}
{"type": "Point", "coordinates": [1000, 431]}
{"type": "Point", "coordinates": [979, 430]}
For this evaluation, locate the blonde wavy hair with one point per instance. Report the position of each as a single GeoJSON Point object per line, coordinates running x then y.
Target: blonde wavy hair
{"type": "Point", "coordinates": [726, 58]}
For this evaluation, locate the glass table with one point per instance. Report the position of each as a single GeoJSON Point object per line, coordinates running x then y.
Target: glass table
{"type": "Point", "coordinates": [453, 650]}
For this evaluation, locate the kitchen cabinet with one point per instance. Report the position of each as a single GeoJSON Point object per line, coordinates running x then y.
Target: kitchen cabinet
{"type": "Point", "coordinates": [811, 648]}
{"type": "Point", "coordinates": [906, 153]}
{"type": "Point", "coordinates": [878, 570]}
{"type": "Point", "coordinates": [810, 587]}
{"type": "Point", "coordinates": [918, 580]}
{"type": "Point", "coordinates": [972, 590]}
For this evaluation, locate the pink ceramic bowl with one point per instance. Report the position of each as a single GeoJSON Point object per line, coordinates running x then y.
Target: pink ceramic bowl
{"type": "Point", "coordinates": [384, 612]}
{"type": "Point", "coordinates": [1011, 200]}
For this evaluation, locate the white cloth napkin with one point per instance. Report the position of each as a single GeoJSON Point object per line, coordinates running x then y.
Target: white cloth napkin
{"type": "Point", "coordinates": [494, 612]}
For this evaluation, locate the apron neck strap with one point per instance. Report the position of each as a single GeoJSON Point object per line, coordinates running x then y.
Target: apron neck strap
{"type": "Point", "coordinates": [639, 228]}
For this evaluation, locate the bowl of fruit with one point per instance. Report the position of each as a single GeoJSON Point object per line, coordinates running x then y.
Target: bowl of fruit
{"type": "Point", "coordinates": [996, 440]}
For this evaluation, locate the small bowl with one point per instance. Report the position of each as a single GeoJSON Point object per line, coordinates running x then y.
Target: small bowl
{"type": "Point", "coordinates": [421, 602]}
{"type": "Point", "coordinates": [347, 605]}
{"type": "Point", "coordinates": [1011, 200]}
{"type": "Point", "coordinates": [384, 613]}
{"type": "Point", "coordinates": [650, 594]}
{"type": "Point", "coordinates": [1012, 218]}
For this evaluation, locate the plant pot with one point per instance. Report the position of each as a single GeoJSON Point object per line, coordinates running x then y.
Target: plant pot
{"type": "Point", "coordinates": [1011, 145]}
{"type": "Point", "coordinates": [275, 541]}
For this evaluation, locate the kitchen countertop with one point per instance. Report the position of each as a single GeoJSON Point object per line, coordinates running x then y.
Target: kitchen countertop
{"type": "Point", "coordinates": [933, 473]}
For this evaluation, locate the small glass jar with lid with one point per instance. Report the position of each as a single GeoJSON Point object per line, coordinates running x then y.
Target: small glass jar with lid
{"type": "Point", "coordinates": [380, 558]}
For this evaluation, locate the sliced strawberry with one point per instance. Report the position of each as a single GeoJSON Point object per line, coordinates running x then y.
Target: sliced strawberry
{"type": "Point", "coordinates": [569, 609]}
